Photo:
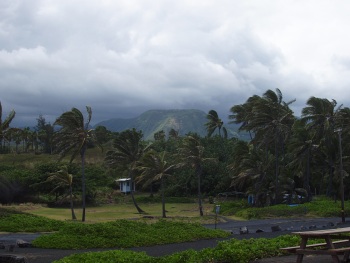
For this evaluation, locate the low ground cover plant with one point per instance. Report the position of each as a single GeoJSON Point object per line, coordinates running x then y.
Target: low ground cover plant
{"type": "Point", "coordinates": [319, 207]}
{"type": "Point", "coordinates": [238, 251]}
{"type": "Point", "coordinates": [124, 234]}
{"type": "Point", "coordinates": [15, 221]}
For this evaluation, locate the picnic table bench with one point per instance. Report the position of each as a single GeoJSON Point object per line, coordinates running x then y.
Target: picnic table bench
{"type": "Point", "coordinates": [336, 243]}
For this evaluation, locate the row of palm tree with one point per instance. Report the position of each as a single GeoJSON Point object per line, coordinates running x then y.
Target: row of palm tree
{"type": "Point", "coordinates": [37, 140]}
{"type": "Point", "coordinates": [293, 146]}
{"type": "Point", "coordinates": [282, 148]}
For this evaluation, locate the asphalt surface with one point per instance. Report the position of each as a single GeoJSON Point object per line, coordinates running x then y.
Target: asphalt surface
{"type": "Point", "coordinates": [256, 229]}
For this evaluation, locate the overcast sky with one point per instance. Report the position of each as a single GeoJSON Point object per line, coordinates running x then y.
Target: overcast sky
{"type": "Point", "coordinates": [127, 56]}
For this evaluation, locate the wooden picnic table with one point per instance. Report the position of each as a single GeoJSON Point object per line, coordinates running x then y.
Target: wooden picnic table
{"type": "Point", "coordinates": [336, 243]}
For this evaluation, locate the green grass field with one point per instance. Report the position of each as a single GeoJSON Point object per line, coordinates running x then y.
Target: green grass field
{"type": "Point", "coordinates": [111, 212]}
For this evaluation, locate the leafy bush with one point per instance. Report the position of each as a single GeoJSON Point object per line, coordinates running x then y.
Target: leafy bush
{"type": "Point", "coordinates": [238, 251]}
{"type": "Point", "coordinates": [13, 221]}
{"type": "Point", "coordinates": [124, 233]}
{"type": "Point", "coordinates": [121, 256]}
{"type": "Point", "coordinates": [322, 207]}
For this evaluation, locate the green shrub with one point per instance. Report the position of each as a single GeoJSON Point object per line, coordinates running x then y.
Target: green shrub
{"type": "Point", "coordinates": [123, 234]}
{"type": "Point", "coordinates": [12, 221]}
{"type": "Point", "coordinates": [120, 256]}
{"type": "Point", "coordinates": [322, 207]}
{"type": "Point", "coordinates": [238, 251]}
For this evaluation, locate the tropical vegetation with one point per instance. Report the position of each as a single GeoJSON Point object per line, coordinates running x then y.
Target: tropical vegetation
{"type": "Point", "coordinates": [288, 158]}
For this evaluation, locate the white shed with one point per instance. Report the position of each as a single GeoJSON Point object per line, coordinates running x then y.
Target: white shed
{"type": "Point", "coordinates": [125, 185]}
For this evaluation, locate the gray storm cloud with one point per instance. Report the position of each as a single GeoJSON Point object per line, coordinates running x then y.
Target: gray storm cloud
{"type": "Point", "coordinates": [125, 57]}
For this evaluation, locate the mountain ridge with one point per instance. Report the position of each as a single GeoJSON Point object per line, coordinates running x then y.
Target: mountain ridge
{"type": "Point", "coordinates": [149, 122]}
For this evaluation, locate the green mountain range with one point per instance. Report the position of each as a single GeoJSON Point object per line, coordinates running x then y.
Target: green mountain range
{"type": "Point", "coordinates": [152, 121]}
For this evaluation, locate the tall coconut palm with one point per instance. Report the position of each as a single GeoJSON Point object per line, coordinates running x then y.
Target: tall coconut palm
{"type": "Point", "coordinates": [302, 149]}
{"type": "Point", "coordinates": [5, 124]}
{"type": "Point", "coordinates": [274, 120]}
{"type": "Point", "coordinates": [192, 154]}
{"type": "Point", "coordinates": [155, 167]}
{"type": "Point", "coordinates": [243, 114]}
{"type": "Point", "coordinates": [252, 170]}
{"type": "Point", "coordinates": [271, 120]}
{"type": "Point", "coordinates": [321, 117]}
{"type": "Point", "coordinates": [73, 137]}
{"type": "Point", "coordinates": [62, 179]}
{"type": "Point", "coordinates": [214, 122]}
{"type": "Point", "coordinates": [128, 151]}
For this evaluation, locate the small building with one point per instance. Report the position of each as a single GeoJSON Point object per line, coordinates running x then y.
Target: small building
{"type": "Point", "coordinates": [125, 185]}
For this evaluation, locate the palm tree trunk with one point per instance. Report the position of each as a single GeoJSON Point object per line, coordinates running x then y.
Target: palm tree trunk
{"type": "Point", "coordinates": [71, 202]}
{"type": "Point", "coordinates": [307, 177]}
{"type": "Point", "coordinates": [276, 172]}
{"type": "Point", "coordinates": [139, 210]}
{"type": "Point", "coordinates": [163, 199]}
{"type": "Point", "coordinates": [83, 182]}
{"type": "Point", "coordinates": [199, 175]}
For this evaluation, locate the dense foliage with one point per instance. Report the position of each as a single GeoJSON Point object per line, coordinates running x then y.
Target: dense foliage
{"type": "Point", "coordinates": [240, 251]}
{"type": "Point", "coordinates": [286, 159]}
{"type": "Point", "coordinates": [123, 234]}
{"type": "Point", "coordinates": [12, 221]}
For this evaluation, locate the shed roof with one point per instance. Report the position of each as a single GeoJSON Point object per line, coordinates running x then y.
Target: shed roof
{"type": "Point", "coordinates": [123, 180]}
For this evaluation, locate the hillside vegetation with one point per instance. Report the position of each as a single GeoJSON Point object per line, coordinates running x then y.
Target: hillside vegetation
{"type": "Point", "coordinates": [152, 121]}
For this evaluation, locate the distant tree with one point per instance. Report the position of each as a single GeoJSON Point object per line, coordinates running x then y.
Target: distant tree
{"type": "Point", "coordinates": [25, 139]}
{"type": "Point", "coordinates": [17, 137]}
{"type": "Point", "coordinates": [192, 154]}
{"type": "Point", "coordinates": [214, 122]}
{"type": "Point", "coordinates": [73, 138]}
{"type": "Point", "coordinates": [159, 135]}
{"type": "Point", "coordinates": [270, 119]}
{"type": "Point", "coordinates": [63, 179]}
{"type": "Point", "coordinates": [321, 117]}
{"type": "Point", "coordinates": [5, 124]}
{"type": "Point", "coordinates": [128, 151]}
{"type": "Point", "coordinates": [45, 133]}
{"type": "Point", "coordinates": [155, 167]}
{"type": "Point", "coordinates": [173, 134]}
{"type": "Point", "coordinates": [103, 135]}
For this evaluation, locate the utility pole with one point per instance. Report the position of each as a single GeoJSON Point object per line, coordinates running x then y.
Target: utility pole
{"type": "Point", "coordinates": [341, 176]}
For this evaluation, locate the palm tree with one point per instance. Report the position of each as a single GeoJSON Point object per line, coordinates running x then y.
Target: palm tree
{"type": "Point", "coordinates": [271, 120]}
{"type": "Point", "coordinates": [214, 122]}
{"type": "Point", "coordinates": [128, 151]}
{"type": "Point", "coordinates": [155, 167]}
{"type": "Point", "coordinates": [321, 117]}
{"type": "Point", "coordinates": [173, 134]}
{"type": "Point", "coordinates": [63, 179]}
{"type": "Point", "coordinates": [302, 150]}
{"type": "Point", "coordinates": [243, 114]}
{"type": "Point", "coordinates": [192, 153]}
{"type": "Point", "coordinates": [252, 170]}
{"type": "Point", "coordinates": [73, 137]}
{"type": "Point", "coordinates": [4, 125]}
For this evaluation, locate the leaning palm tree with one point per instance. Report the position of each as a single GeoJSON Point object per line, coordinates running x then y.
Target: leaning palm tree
{"type": "Point", "coordinates": [321, 117]}
{"type": "Point", "coordinates": [271, 120]}
{"type": "Point", "coordinates": [73, 137]}
{"type": "Point", "coordinates": [192, 154]}
{"type": "Point", "coordinates": [252, 171]}
{"type": "Point", "coordinates": [155, 167]}
{"type": "Point", "coordinates": [214, 122]}
{"type": "Point", "coordinates": [128, 151]}
{"type": "Point", "coordinates": [4, 125]}
{"type": "Point", "coordinates": [62, 179]}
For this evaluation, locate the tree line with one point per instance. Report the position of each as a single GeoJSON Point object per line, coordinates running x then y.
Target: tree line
{"type": "Point", "coordinates": [287, 159]}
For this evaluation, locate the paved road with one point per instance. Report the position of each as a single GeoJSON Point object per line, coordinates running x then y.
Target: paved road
{"type": "Point", "coordinates": [36, 255]}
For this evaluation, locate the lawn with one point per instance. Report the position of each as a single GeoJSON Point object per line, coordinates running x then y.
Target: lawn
{"type": "Point", "coordinates": [110, 212]}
